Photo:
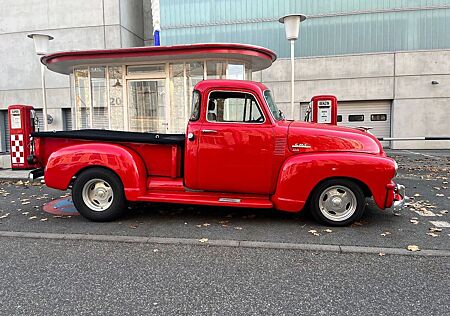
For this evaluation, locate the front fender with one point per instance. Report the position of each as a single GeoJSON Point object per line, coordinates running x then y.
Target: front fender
{"type": "Point", "coordinates": [300, 174]}
{"type": "Point", "coordinates": [66, 162]}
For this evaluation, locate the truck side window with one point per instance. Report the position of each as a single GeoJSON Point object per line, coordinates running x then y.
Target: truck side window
{"type": "Point", "coordinates": [195, 111]}
{"type": "Point", "coordinates": [236, 107]}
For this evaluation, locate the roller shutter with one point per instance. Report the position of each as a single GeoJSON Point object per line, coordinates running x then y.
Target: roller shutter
{"type": "Point", "coordinates": [67, 119]}
{"type": "Point", "coordinates": [4, 130]}
{"type": "Point", "coordinates": [375, 114]}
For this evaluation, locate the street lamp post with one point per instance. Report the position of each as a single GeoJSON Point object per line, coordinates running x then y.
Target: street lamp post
{"type": "Point", "coordinates": [292, 27]}
{"type": "Point", "coordinates": [41, 47]}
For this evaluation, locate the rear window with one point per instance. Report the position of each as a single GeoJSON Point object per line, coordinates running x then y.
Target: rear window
{"type": "Point", "coordinates": [195, 110]}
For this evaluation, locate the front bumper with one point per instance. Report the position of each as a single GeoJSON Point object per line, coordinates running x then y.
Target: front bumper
{"type": "Point", "coordinates": [36, 173]}
{"type": "Point", "coordinates": [399, 196]}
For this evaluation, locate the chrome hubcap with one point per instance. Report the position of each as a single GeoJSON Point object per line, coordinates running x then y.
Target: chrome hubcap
{"type": "Point", "coordinates": [337, 203]}
{"type": "Point", "coordinates": [97, 195]}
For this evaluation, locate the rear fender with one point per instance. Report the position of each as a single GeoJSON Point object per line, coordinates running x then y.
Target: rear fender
{"type": "Point", "coordinates": [67, 162]}
{"type": "Point", "coordinates": [300, 174]}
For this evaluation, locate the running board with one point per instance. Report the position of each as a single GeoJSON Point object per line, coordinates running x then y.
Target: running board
{"type": "Point", "coordinates": [208, 198]}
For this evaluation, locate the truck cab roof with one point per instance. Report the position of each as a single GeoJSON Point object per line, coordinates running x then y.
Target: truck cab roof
{"type": "Point", "coordinates": [238, 84]}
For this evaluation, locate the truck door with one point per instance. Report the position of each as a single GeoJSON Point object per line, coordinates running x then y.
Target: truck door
{"type": "Point", "coordinates": [235, 145]}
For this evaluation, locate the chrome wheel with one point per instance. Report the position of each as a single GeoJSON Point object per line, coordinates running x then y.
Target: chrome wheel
{"type": "Point", "coordinates": [97, 194]}
{"type": "Point", "coordinates": [337, 203]}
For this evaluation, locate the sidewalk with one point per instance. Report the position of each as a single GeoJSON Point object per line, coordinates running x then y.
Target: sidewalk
{"type": "Point", "coordinates": [9, 174]}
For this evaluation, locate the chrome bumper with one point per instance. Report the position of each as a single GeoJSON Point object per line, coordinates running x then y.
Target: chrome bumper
{"type": "Point", "coordinates": [399, 196]}
{"type": "Point", "coordinates": [36, 173]}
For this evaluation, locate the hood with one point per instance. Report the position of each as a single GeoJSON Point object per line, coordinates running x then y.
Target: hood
{"type": "Point", "coordinates": [311, 137]}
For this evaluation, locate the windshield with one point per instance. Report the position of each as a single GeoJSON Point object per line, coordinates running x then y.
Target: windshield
{"type": "Point", "coordinates": [277, 114]}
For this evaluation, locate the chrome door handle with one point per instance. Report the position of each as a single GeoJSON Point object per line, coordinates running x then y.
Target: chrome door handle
{"type": "Point", "coordinates": [209, 131]}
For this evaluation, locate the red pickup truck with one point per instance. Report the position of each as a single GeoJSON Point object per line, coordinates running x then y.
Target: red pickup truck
{"type": "Point", "coordinates": [238, 151]}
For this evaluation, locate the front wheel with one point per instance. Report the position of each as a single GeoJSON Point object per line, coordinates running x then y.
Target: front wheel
{"type": "Point", "coordinates": [98, 195]}
{"type": "Point", "coordinates": [337, 202]}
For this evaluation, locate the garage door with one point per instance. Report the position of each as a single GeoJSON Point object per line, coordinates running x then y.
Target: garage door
{"type": "Point", "coordinates": [375, 114]}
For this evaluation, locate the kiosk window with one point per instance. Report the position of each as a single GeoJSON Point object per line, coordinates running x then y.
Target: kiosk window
{"type": "Point", "coordinates": [356, 118]}
{"type": "Point", "coordinates": [237, 107]}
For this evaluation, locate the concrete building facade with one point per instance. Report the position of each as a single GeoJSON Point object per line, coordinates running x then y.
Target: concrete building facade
{"type": "Point", "coordinates": [75, 25]}
{"type": "Point", "coordinates": [412, 88]}
{"type": "Point", "coordinates": [385, 60]}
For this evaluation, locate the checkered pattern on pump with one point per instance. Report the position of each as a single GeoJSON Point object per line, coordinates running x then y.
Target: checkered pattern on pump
{"type": "Point", "coordinates": [17, 149]}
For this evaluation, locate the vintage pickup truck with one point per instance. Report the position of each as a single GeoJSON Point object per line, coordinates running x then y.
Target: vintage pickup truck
{"type": "Point", "coordinates": [238, 151]}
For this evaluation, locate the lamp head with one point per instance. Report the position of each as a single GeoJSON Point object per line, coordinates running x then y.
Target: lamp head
{"type": "Point", "coordinates": [40, 42]}
{"type": "Point", "coordinates": [292, 25]}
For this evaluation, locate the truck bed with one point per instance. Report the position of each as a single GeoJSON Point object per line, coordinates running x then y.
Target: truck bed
{"type": "Point", "coordinates": [162, 154]}
{"type": "Point", "coordinates": [116, 136]}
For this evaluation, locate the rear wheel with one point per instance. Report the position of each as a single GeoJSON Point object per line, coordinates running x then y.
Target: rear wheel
{"type": "Point", "coordinates": [338, 202]}
{"type": "Point", "coordinates": [98, 195]}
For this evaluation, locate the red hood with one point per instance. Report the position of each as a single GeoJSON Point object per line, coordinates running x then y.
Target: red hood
{"type": "Point", "coordinates": [310, 137]}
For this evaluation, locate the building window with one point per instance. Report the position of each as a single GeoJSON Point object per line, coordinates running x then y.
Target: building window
{"type": "Point", "coordinates": [378, 117]}
{"type": "Point", "coordinates": [356, 118]}
{"type": "Point", "coordinates": [116, 110]}
{"type": "Point", "coordinates": [339, 118]}
{"type": "Point", "coordinates": [100, 113]}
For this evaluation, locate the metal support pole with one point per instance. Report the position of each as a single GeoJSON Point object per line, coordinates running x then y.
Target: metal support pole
{"type": "Point", "coordinates": [292, 77]}
{"type": "Point", "coordinates": [44, 98]}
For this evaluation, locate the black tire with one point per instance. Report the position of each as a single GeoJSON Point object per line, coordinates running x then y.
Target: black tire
{"type": "Point", "coordinates": [98, 181]}
{"type": "Point", "coordinates": [331, 215]}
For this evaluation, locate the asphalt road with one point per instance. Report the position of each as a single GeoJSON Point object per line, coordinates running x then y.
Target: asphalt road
{"type": "Point", "coordinates": [426, 178]}
{"type": "Point", "coordinates": [41, 277]}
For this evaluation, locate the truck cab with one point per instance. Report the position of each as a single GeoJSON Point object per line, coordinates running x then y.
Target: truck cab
{"type": "Point", "coordinates": [238, 150]}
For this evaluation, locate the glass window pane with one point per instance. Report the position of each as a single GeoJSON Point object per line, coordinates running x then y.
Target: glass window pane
{"type": "Point", "coordinates": [116, 98]}
{"type": "Point", "coordinates": [146, 106]}
{"type": "Point", "coordinates": [194, 74]}
{"type": "Point", "coordinates": [356, 118]}
{"type": "Point", "coordinates": [82, 98]}
{"type": "Point", "coordinates": [142, 69]}
{"type": "Point", "coordinates": [235, 72]}
{"type": "Point", "coordinates": [216, 70]}
{"type": "Point", "coordinates": [100, 117]}
{"type": "Point", "coordinates": [195, 114]}
{"type": "Point", "coordinates": [178, 105]}
{"type": "Point", "coordinates": [233, 107]}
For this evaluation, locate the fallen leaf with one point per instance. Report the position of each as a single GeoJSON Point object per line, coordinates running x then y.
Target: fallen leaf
{"type": "Point", "coordinates": [32, 217]}
{"type": "Point", "coordinates": [206, 225]}
{"type": "Point", "coordinates": [413, 248]}
{"type": "Point", "coordinates": [155, 250]}
{"type": "Point", "coordinates": [25, 213]}
{"type": "Point", "coordinates": [4, 216]}
{"type": "Point", "coordinates": [432, 234]}
{"type": "Point", "coordinates": [397, 214]}
{"type": "Point", "coordinates": [237, 227]}
{"type": "Point", "coordinates": [414, 221]}
{"type": "Point", "coordinates": [435, 229]}
{"type": "Point", "coordinates": [25, 203]}
{"type": "Point", "coordinates": [444, 212]}
{"type": "Point", "coordinates": [416, 195]}
{"type": "Point", "coordinates": [439, 194]}
{"type": "Point", "coordinates": [203, 240]}
{"type": "Point", "coordinates": [312, 231]}
{"type": "Point", "coordinates": [328, 230]}
{"type": "Point", "coordinates": [381, 254]}
{"type": "Point", "coordinates": [199, 226]}
{"type": "Point", "coordinates": [44, 219]}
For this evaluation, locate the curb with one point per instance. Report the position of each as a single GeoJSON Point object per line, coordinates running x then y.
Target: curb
{"type": "Point", "coordinates": [229, 243]}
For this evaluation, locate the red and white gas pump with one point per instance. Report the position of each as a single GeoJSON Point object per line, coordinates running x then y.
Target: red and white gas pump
{"type": "Point", "coordinates": [322, 109]}
{"type": "Point", "coordinates": [21, 125]}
